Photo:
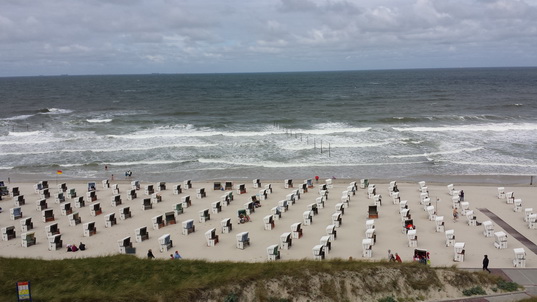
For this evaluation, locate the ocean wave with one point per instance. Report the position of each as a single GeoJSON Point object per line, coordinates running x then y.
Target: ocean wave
{"type": "Point", "coordinates": [269, 164]}
{"type": "Point", "coordinates": [427, 154]}
{"type": "Point", "coordinates": [54, 111]}
{"type": "Point", "coordinates": [99, 120]}
{"type": "Point", "coordinates": [27, 133]}
{"type": "Point", "coordinates": [494, 164]}
{"type": "Point", "coordinates": [417, 119]}
{"type": "Point", "coordinates": [17, 118]}
{"type": "Point", "coordinates": [334, 145]}
{"type": "Point", "coordinates": [500, 127]}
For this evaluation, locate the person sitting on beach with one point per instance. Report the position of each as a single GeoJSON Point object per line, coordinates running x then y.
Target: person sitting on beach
{"type": "Point", "coordinates": [176, 255]}
{"type": "Point", "coordinates": [397, 258]}
{"type": "Point", "coordinates": [74, 248]}
{"type": "Point", "coordinates": [391, 257]}
{"type": "Point", "coordinates": [171, 257]}
{"type": "Point", "coordinates": [150, 254]}
{"type": "Point", "coordinates": [82, 246]}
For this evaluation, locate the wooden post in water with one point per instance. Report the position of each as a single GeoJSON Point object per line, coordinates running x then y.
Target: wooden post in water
{"type": "Point", "coordinates": [328, 149]}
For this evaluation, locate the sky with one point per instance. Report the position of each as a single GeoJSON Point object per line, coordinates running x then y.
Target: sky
{"type": "Point", "coordinates": [52, 37]}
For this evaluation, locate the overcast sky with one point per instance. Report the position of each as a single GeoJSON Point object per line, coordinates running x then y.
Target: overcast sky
{"type": "Point", "coordinates": [199, 36]}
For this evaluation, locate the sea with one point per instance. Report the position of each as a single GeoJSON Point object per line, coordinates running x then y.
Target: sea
{"type": "Point", "coordinates": [376, 124]}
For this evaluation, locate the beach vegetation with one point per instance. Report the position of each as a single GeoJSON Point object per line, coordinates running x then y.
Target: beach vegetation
{"type": "Point", "coordinates": [128, 278]}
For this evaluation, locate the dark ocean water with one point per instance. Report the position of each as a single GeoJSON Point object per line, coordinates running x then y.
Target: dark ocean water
{"type": "Point", "coordinates": [354, 124]}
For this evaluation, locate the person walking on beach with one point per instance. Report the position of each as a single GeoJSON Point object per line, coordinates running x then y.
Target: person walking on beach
{"type": "Point", "coordinates": [461, 196]}
{"type": "Point", "coordinates": [455, 214]}
{"type": "Point", "coordinates": [150, 254]}
{"type": "Point", "coordinates": [486, 264]}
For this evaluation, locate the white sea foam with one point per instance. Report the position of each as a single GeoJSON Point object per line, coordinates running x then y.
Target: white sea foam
{"type": "Point", "coordinates": [495, 164]}
{"type": "Point", "coordinates": [500, 127]}
{"type": "Point", "coordinates": [271, 164]}
{"type": "Point", "coordinates": [427, 154]}
{"type": "Point", "coordinates": [56, 111]}
{"type": "Point", "coordinates": [108, 120]}
{"type": "Point", "coordinates": [28, 133]}
{"type": "Point", "coordinates": [17, 118]}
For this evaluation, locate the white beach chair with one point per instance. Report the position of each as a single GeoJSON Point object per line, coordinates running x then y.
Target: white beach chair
{"type": "Point", "coordinates": [318, 252]}
{"type": "Point", "coordinates": [268, 222]}
{"type": "Point", "coordinates": [141, 234]}
{"type": "Point", "coordinates": [165, 242]}
{"type": "Point", "coordinates": [471, 218]}
{"type": "Point", "coordinates": [125, 213]}
{"type": "Point", "coordinates": [518, 205]}
{"type": "Point", "coordinates": [8, 233]}
{"type": "Point", "coordinates": [204, 215]}
{"type": "Point", "coordinates": [74, 219]}
{"type": "Point", "coordinates": [211, 237]}
{"type": "Point", "coordinates": [110, 220]}
{"type": "Point", "coordinates": [28, 239]}
{"type": "Point", "coordinates": [459, 251]}
{"type": "Point", "coordinates": [188, 227]}
{"type": "Point", "coordinates": [371, 234]}
{"type": "Point", "coordinates": [367, 248]}
{"type": "Point", "coordinates": [336, 219]}
{"type": "Point", "coordinates": [450, 237]}
{"type": "Point", "coordinates": [439, 220]}
{"type": "Point", "coordinates": [520, 258]}
{"type": "Point", "coordinates": [273, 252]}
{"type": "Point", "coordinates": [286, 241]}
{"type": "Point", "coordinates": [500, 240]}
{"type": "Point", "coordinates": [308, 217]}
{"type": "Point", "coordinates": [242, 240]}
{"type": "Point", "coordinates": [296, 230]}
{"type": "Point", "coordinates": [412, 238]}
{"type": "Point", "coordinates": [26, 224]}
{"type": "Point", "coordinates": [226, 225]}
{"type": "Point", "coordinates": [331, 231]}
{"type": "Point", "coordinates": [488, 228]}
{"type": "Point", "coordinates": [89, 229]}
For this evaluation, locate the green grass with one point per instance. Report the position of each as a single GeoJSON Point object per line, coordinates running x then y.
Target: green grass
{"type": "Point", "coordinates": [127, 278]}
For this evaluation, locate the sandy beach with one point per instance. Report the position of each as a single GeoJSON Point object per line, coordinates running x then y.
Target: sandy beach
{"type": "Point", "coordinates": [348, 243]}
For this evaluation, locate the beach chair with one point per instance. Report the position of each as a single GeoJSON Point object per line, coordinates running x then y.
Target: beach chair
{"type": "Point", "coordinates": [79, 202]}
{"type": "Point", "coordinates": [135, 185]}
{"type": "Point", "coordinates": [165, 242]}
{"type": "Point", "coordinates": [329, 183]}
{"type": "Point", "coordinates": [105, 183]}
{"type": "Point", "coordinates": [488, 228]}
{"type": "Point", "coordinates": [290, 198]}
{"type": "Point", "coordinates": [532, 221]}
{"type": "Point", "coordinates": [45, 193]}
{"type": "Point", "coordinates": [211, 237]}
{"type": "Point", "coordinates": [336, 219]}
{"type": "Point", "coordinates": [141, 234]}
{"type": "Point", "coordinates": [188, 227]}
{"type": "Point", "coordinates": [500, 240]}
{"type": "Point", "coordinates": [527, 213]}
{"type": "Point", "coordinates": [303, 188]}
{"type": "Point", "coordinates": [125, 246]}
{"type": "Point", "coordinates": [318, 252]}
{"type": "Point", "coordinates": [309, 183]}
{"type": "Point", "coordinates": [38, 187]}
{"type": "Point", "coordinates": [288, 183]}
{"type": "Point", "coordinates": [296, 230]}
{"type": "Point", "coordinates": [62, 187]}
{"type": "Point", "coordinates": [242, 240]}
{"type": "Point", "coordinates": [115, 201]}
{"type": "Point", "coordinates": [518, 205]}
{"type": "Point", "coordinates": [377, 200]}
{"type": "Point", "coordinates": [405, 214]}
{"type": "Point", "coordinates": [465, 207]}
{"type": "Point", "coordinates": [263, 195]}
{"type": "Point", "coordinates": [156, 198]}
{"type": "Point", "coordinates": [110, 220]}
{"type": "Point", "coordinates": [256, 183]}
{"type": "Point", "coordinates": [412, 238]}
{"type": "Point", "coordinates": [169, 218]}
{"type": "Point", "coordinates": [204, 215]}
{"type": "Point", "coordinates": [296, 194]}
{"type": "Point", "coordinates": [146, 204]}
{"type": "Point", "coordinates": [320, 202]}
{"type": "Point", "coordinates": [501, 192]}
{"type": "Point", "coordinates": [185, 200]}
{"type": "Point", "coordinates": [59, 198]}
{"type": "Point", "coordinates": [19, 200]}
{"type": "Point", "coordinates": [125, 213]}
{"type": "Point", "coordinates": [91, 196]}
{"type": "Point", "coordinates": [217, 186]}
{"type": "Point", "coordinates": [55, 242]}
{"type": "Point", "coordinates": [15, 213]}
{"type": "Point", "coordinates": [471, 218]}
{"type": "Point", "coordinates": [326, 241]}
{"type": "Point", "coordinates": [364, 183]}
{"type": "Point", "coordinates": [52, 229]}
{"type": "Point", "coordinates": [345, 198]}
{"type": "Point", "coordinates": [403, 205]}
{"type": "Point", "coordinates": [225, 199]}
{"type": "Point", "coordinates": [331, 231]}
{"type": "Point", "coordinates": [408, 224]}
{"type": "Point", "coordinates": [241, 189]}
{"type": "Point", "coordinates": [149, 190]}
{"type": "Point", "coordinates": [268, 187]}
{"type": "Point", "coordinates": [115, 189]}
{"type": "Point", "coordinates": [308, 217]}
{"type": "Point", "coordinates": [286, 241]}
{"type": "Point", "coordinates": [158, 222]}
{"type": "Point", "coordinates": [72, 193]}
{"type": "Point", "coordinates": [450, 237]}
{"type": "Point", "coordinates": [187, 184]}
{"type": "Point", "coordinates": [455, 202]}
{"type": "Point", "coordinates": [371, 191]}
{"type": "Point", "coordinates": [48, 215]}
{"type": "Point", "coordinates": [520, 258]}
{"type": "Point", "coordinates": [373, 212]}
{"type": "Point", "coordinates": [276, 213]}
{"type": "Point", "coordinates": [423, 197]}
{"type": "Point", "coordinates": [226, 225]}
{"type": "Point", "coordinates": [66, 209]}
{"type": "Point", "coordinates": [369, 224]}
{"type": "Point", "coordinates": [371, 234]}
{"type": "Point", "coordinates": [96, 209]}
{"type": "Point", "coordinates": [242, 216]}
{"type": "Point", "coordinates": [90, 229]}
{"type": "Point", "coordinates": [458, 249]}
{"type": "Point", "coordinates": [313, 207]}
{"type": "Point", "coordinates": [28, 239]}
{"type": "Point", "coordinates": [431, 212]}
{"type": "Point", "coordinates": [26, 224]}
{"type": "Point", "coordinates": [392, 187]}
{"type": "Point", "coordinates": [41, 204]}
{"type": "Point", "coordinates": [177, 189]}
{"type": "Point", "coordinates": [273, 252]}
{"type": "Point", "coordinates": [268, 222]}
{"type": "Point", "coordinates": [228, 186]}
{"type": "Point", "coordinates": [339, 208]}
{"type": "Point", "coordinates": [324, 194]}
{"type": "Point", "coordinates": [161, 186]}
{"type": "Point", "coordinates": [74, 219]}
{"type": "Point", "coordinates": [14, 192]}
{"type": "Point", "coordinates": [283, 205]}
{"type": "Point", "coordinates": [8, 233]}
{"type": "Point", "coordinates": [396, 198]}
{"type": "Point", "coordinates": [510, 197]}
{"type": "Point", "coordinates": [92, 186]}
{"type": "Point", "coordinates": [439, 220]}
{"type": "Point", "coordinates": [200, 193]}
{"type": "Point", "coordinates": [367, 248]}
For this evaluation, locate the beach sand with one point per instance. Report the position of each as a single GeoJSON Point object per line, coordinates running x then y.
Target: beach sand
{"type": "Point", "coordinates": [388, 225]}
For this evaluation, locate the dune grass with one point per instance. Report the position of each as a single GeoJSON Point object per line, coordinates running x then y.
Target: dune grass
{"type": "Point", "coordinates": [128, 278]}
